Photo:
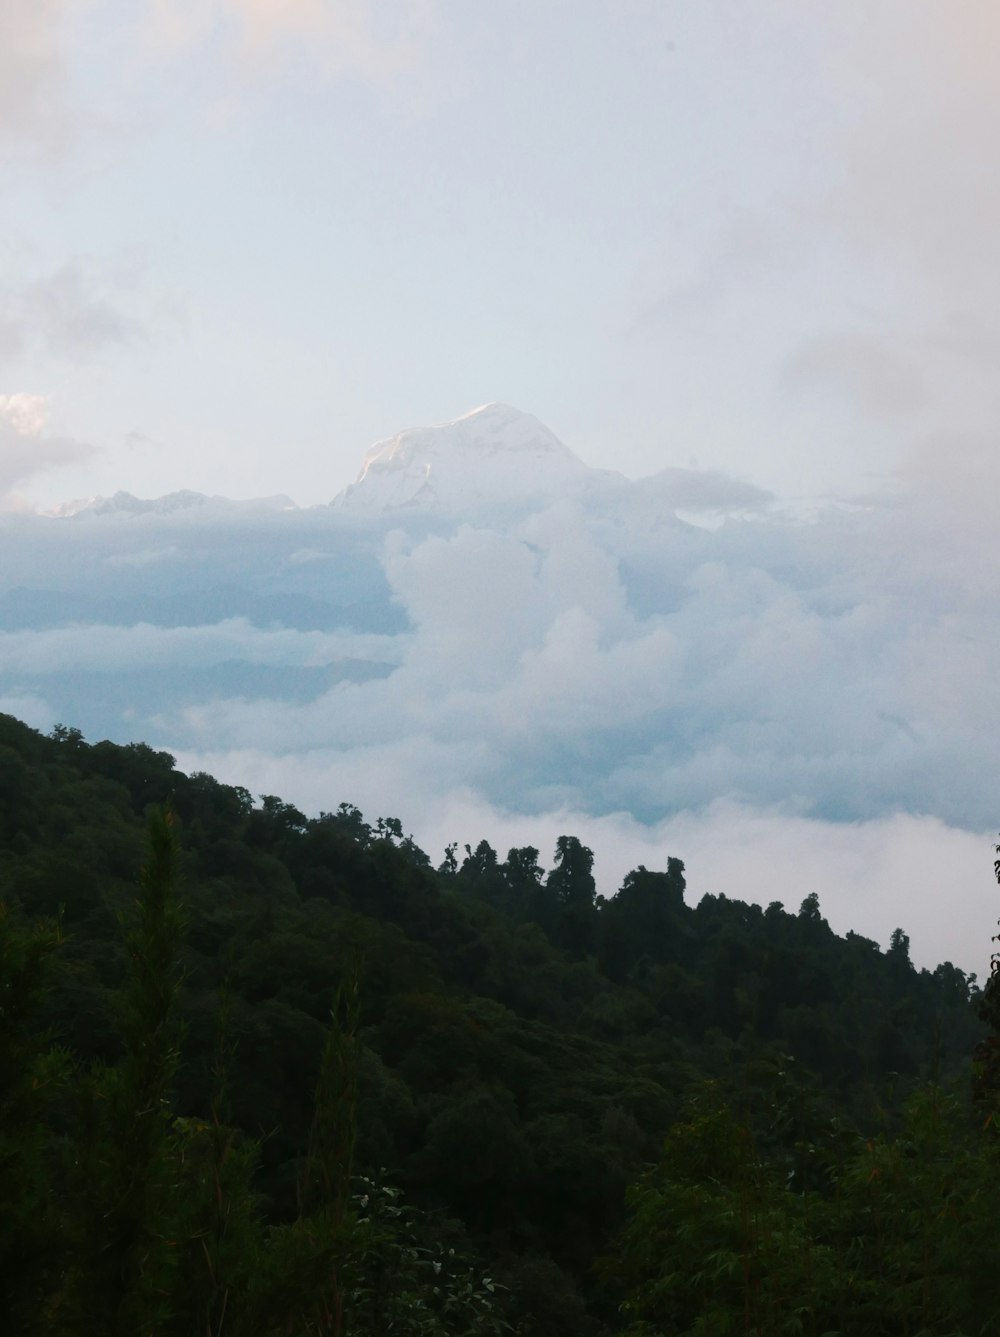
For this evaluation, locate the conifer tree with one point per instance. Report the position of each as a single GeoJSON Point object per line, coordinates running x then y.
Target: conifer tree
{"type": "Point", "coordinates": [308, 1265]}
{"type": "Point", "coordinates": [120, 1175]}
{"type": "Point", "coordinates": [32, 1070]}
{"type": "Point", "coordinates": [217, 1223]}
{"type": "Point", "coordinates": [986, 1070]}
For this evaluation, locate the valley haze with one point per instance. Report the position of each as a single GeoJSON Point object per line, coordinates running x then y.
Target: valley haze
{"type": "Point", "coordinates": [488, 638]}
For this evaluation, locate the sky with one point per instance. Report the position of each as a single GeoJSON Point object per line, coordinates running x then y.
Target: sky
{"type": "Point", "coordinates": [243, 239]}
{"type": "Point", "coordinates": [751, 243]}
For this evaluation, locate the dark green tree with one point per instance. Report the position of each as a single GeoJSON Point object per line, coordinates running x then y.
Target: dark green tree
{"type": "Point", "coordinates": [571, 885]}
{"type": "Point", "coordinates": [32, 1073]}
{"type": "Point", "coordinates": [120, 1177]}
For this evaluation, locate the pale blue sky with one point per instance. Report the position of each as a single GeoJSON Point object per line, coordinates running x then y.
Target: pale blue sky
{"type": "Point", "coordinates": [242, 239]}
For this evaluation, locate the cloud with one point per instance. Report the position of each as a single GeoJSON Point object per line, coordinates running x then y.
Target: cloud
{"type": "Point", "coordinates": [955, 475]}
{"type": "Point", "coordinates": [147, 556]}
{"type": "Point", "coordinates": [861, 369]}
{"type": "Point", "coordinates": [921, 184]}
{"type": "Point", "coordinates": [697, 490]}
{"type": "Point", "coordinates": [693, 282]}
{"type": "Point", "coordinates": [25, 450]}
{"type": "Point", "coordinates": [914, 872]}
{"type": "Point", "coordinates": [915, 207]}
{"type": "Point", "coordinates": [39, 48]}
{"type": "Point", "coordinates": [24, 415]}
{"type": "Point", "coordinates": [337, 36]}
{"type": "Point", "coordinates": [822, 667]}
{"type": "Point", "coordinates": [818, 699]}
{"type": "Point", "coordinates": [65, 313]}
{"type": "Point", "coordinates": [31, 709]}
{"type": "Point", "coordinates": [32, 72]}
{"type": "Point", "coordinates": [904, 870]}
{"type": "Point", "coordinates": [839, 293]}
{"type": "Point", "coordinates": [303, 555]}
{"type": "Point", "coordinates": [95, 648]}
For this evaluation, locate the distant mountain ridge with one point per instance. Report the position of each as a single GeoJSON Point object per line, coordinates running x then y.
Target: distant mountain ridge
{"type": "Point", "coordinates": [495, 462]}
{"type": "Point", "coordinates": [125, 503]}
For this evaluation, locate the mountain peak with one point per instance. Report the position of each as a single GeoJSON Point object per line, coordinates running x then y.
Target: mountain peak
{"type": "Point", "coordinates": [496, 416]}
{"type": "Point", "coordinates": [494, 454]}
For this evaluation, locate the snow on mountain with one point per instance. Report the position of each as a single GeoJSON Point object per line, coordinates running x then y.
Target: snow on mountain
{"type": "Point", "coordinates": [124, 503]}
{"type": "Point", "coordinates": [493, 456]}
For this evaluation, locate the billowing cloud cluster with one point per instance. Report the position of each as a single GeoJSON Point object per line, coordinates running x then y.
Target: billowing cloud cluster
{"type": "Point", "coordinates": [790, 705]}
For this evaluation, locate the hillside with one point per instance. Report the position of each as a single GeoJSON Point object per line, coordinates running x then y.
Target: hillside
{"type": "Point", "coordinates": [523, 1048]}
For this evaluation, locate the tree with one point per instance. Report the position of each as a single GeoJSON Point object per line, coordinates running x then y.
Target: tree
{"type": "Point", "coordinates": [32, 1072]}
{"type": "Point", "coordinates": [642, 921]}
{"type": "Point", "coordinates": [119, 1176]}
{"type": "Point", "coordinates": [571, 882]}
{"type": "Point", "coordinates": [986, 1068]}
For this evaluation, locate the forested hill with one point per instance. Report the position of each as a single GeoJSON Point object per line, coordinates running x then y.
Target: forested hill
{"type": "Point", "coordinates": [520, 1051]}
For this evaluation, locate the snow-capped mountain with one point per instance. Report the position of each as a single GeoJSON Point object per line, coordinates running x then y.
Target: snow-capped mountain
{"type": "Point", "coordinates": [493, 456]}
{"type": "Point", "coordinates": [124, 503]}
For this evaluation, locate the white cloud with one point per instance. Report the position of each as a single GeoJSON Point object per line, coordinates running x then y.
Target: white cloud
{"type": "Point", "coordinates": [916, 204]}
{"type": "Point", "coordinates": [474, 599]}
{"type": "Point", "coordinates": [88, 648]}
{"type": "Point", "coordinates": [700, 490]}
{"type": "Point", "coordinates": [830, 668]}
{"type": "Point", "coordinates": [32, 73]}
{"type": "Point", "coordinates": [934, 880]}
{"type": "Point", "coordinates": [31, 709]}
{"type": "Point", "coordinates": [66, 313]}
{"type": "Point", "coordinates": [861, 369]}
{"type": "Point", "coordinates": [303, 555]}
{"type": "Point", "coordinates": [900, 871]}
{"type": "Point", "coordinates": [923, 80]}
{"type": "Point", "coordinates": [41, 45]}
{"type": "Point", "coordinates": [147, 556]}
{"type": "Point", "coordinates": [820, 700]}
{"type": "Point", "coordinates": [338, 36]}
{"type": "Point", "coordinates": [25, 450]}
{"type": "Point", "coordinates": [24, 414]}
{"type": "Point", "coordinates": [820, 693]}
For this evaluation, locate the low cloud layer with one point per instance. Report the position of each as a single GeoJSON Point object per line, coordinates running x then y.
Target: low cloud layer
{"type": "Point", "coordinates": [98, 648]}
{"type": "Point", "coordinates": [790, 706]}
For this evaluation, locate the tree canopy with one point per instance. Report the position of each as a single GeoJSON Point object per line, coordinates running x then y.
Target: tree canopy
{"type": "Point", "coordinates": [261, 1069]}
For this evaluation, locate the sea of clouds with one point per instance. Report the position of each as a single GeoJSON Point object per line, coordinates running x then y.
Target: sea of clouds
{"type": "Point", "coordinates": [790, 703]}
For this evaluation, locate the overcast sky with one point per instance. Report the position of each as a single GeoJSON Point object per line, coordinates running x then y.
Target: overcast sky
{"type": "Point", "coordinates": [243, 239]}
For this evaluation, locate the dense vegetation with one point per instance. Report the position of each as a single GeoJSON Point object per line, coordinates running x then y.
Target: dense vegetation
{"type": "Point", "coordinates": [294, 1079]}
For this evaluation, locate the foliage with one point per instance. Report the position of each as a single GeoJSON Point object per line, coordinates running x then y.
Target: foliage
{"type": "Point", "coordinates": [192, 1140]}
{"type": "Point", "coordinates": [32, 1075]}
{"type": "Point", "coordinates": [755, 1223]}
{"type": "Point", "coordinates": [896, 1239]}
